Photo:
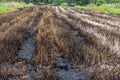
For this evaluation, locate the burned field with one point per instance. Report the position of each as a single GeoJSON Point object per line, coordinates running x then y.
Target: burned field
{"type": "Point", "coordinates": [55, 43]}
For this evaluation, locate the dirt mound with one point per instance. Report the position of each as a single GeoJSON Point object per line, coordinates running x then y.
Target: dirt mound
{"type": "Point", "coordinates": [56, 43]}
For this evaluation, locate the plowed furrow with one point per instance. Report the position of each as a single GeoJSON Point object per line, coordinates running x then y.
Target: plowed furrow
{"type": "Point", "coordinates": [93, 50]}
{"type": "Point", "coordinates": [100, 38]}
{"type": "Point", "coordinates": [99, 28]}
{"type": "Point", "coordinates": [10, 16]}
{"type": "Point", "coordinates": [99, 14]}
{"type": "Point", "coordinates": [17, 34]}
{"type": "Point", "coordinates": [98, 19]}
{"type": "Point", "coordinates": [13, 22]}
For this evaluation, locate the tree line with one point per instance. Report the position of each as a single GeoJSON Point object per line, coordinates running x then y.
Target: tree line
{"type": "Point", "coordinates": [76, 2]}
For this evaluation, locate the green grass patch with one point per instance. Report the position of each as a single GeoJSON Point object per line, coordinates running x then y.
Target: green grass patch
{"type": "Point", "coordinates": [108, 8]}
{"type": "Point", "coordinates": [7, 7]}
{"type": "Point", "coordinates": [4, 8]}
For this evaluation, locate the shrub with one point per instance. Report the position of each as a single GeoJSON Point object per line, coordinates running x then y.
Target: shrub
{"type": "Point", "coordinates": [99, 2]}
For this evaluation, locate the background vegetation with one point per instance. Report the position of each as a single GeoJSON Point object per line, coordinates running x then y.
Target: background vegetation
{"type": "Point", "coordinates": [111, 6]}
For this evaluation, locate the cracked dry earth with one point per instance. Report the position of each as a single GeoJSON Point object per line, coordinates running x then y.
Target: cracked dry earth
{"type": "Point", "coordinates": [57, 43]}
